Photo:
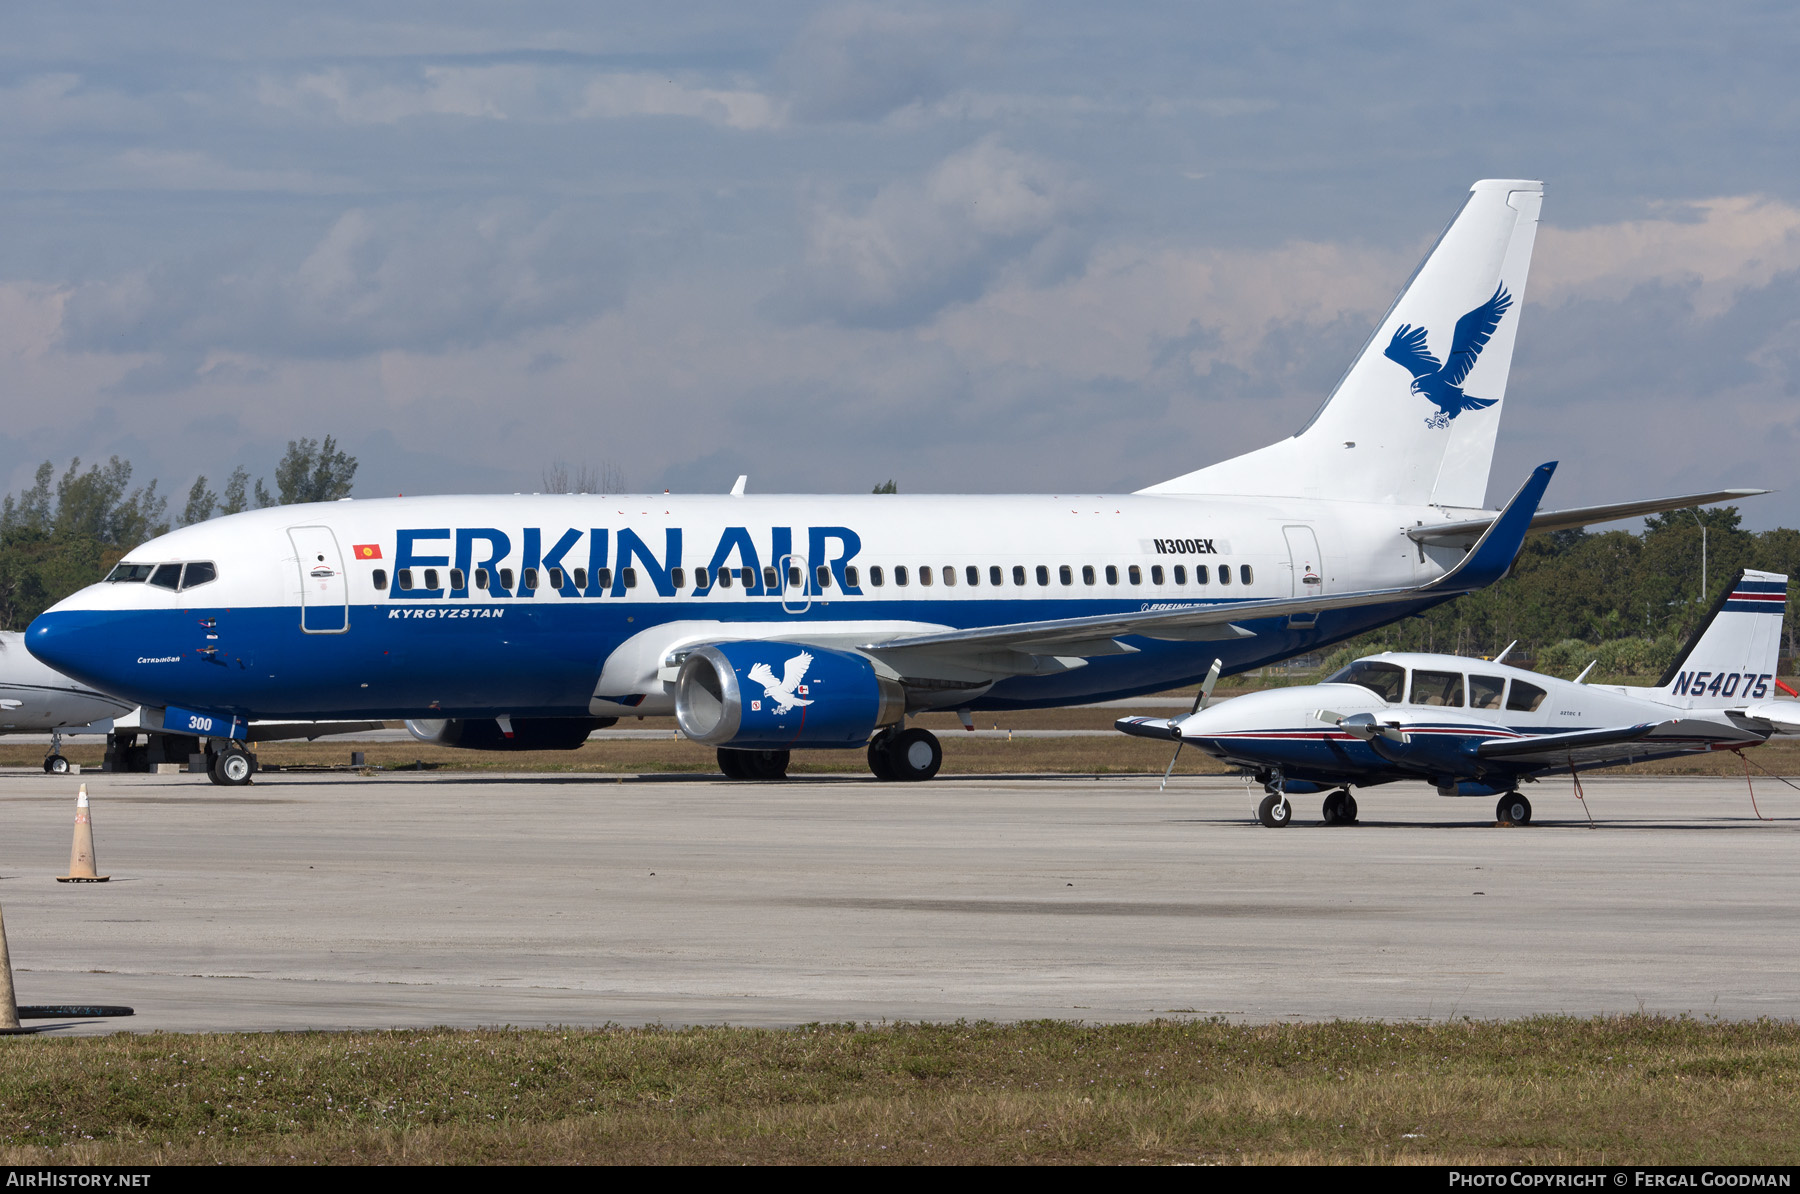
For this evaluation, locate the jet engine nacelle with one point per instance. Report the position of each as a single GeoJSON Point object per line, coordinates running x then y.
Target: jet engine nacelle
{"type": "Point", "coordinates": [528, 733]}
{"type": "Point", "coordinates": [772, 696]}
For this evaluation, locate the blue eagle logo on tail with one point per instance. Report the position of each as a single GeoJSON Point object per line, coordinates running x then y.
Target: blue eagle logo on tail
{"type": "Point", "coordinates": [1442, 383]}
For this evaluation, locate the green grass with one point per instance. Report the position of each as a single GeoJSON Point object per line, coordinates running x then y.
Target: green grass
{"type": "Point", "coordinates": [1628, 1090]}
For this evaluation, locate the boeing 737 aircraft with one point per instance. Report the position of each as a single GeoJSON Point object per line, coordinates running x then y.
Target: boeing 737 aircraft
{"type": "Point", "coordinates": [768, 623]}
{"type": "Point", "coordinates": [1472, 727]}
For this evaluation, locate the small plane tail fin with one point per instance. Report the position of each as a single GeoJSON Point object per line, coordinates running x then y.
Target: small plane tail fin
{"type": "Point", "coordinates": [1731, 659]}
{"type": "Point", "coordinates": [1414, 419]}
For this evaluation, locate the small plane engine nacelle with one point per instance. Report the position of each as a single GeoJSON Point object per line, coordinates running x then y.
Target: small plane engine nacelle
{"type": "Point", "coordinates": [528, 733]}
{"type": "Point", "coordinates": [772, 696]}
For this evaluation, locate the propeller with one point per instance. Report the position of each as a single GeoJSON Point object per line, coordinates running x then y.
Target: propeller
{"type": "Point", "coordinates": [1200, 699]}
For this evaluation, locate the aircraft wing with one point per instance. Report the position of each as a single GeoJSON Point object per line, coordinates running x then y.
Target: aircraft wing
{"type": "Point", "coordinates": [1618, 744]}
{"type": "Point", "coordinates": [1454, 534]}
{"type": "Point", "coordinates": [1486, 562]}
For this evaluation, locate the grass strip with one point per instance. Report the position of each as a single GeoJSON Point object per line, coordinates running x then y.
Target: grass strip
{"type": "Point", "coordinates": [1552, 1090]}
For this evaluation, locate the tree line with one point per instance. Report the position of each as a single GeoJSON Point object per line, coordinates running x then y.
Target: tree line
{"type": "Point", "coordinates": [63, 533]}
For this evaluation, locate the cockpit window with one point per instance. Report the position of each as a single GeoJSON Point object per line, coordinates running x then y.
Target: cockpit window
{"type": "Point", "coordinates": [198, 574]}
{"type": "Point", "coordinates": [1385, 680]}
{"type": "Point", "coordinates": [131, 572]}
{"type": "Point", "coordinates": [166, 576]}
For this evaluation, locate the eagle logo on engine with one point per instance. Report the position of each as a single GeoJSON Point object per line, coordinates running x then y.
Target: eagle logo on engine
{"type": "Point", "coordinates": [784, 692]}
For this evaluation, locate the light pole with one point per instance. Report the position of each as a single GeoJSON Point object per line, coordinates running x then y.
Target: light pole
{"type": "Point", "coordinates": [1695, 511]}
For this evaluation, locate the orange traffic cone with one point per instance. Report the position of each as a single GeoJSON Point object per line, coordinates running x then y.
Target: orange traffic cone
{"type": "Point", "coordinates": [9, 1007]}
{"type": "Point", "coordinates": [81, 853]}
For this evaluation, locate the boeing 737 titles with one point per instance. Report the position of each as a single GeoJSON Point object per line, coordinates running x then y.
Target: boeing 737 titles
{"type": "Point", "coordinates": [766, 623]}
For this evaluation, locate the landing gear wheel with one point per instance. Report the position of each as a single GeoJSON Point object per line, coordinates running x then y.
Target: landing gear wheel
{"type": "Point", "coordinates": [1513, 809]}
{"type": "Point", "coordinates": [731, 762]}
{"type": "Point", "coordinates": [1275, 811]}
{"type": "Point", "coordinates": [914, 755]}
{"type": "Point", "coordinates": [56, 765]}
{"type": "Point", "coordinates": [233, 767]}
{"type": "Point", "coordinates": [879, 763]}
{"type": "Point", "coordinates": [1340, 808]}
{"type": "Point", "coordinates": [767, 764]}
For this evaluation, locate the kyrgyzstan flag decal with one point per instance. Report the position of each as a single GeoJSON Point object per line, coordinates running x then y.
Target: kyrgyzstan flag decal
{"type": "Point", "coordinates": [368, 551]}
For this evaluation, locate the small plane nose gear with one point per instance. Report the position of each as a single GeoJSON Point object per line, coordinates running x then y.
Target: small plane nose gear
{"type": "Point", "coordinates": [1275, 811]}
{"type": "Point", "coordinates": [1340, 808]}
{"type": "Point", "coordinates": [1513, 809]}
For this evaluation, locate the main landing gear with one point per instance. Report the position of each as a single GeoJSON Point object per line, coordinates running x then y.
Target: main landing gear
{"type": "Point", "coordinates": [753, 764]}
{"type": "Point", "coordinates": [896, 754]}
{"type": "Point", "coordinates": [230, 765]}
{"type": "Point", "coordinates": [1340, 808]}
{"type": "Point", "coordinates": [1513, 809]}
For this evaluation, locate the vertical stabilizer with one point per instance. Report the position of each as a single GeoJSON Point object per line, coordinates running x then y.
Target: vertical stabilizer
{"type": "Point", "coordinates": [1732, 659]}
{"type": "Point", "coordinates": [1414, 418]}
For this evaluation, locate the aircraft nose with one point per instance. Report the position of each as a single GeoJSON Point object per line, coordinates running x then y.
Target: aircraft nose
{"type": "Point", "coordinates": [71, 642]}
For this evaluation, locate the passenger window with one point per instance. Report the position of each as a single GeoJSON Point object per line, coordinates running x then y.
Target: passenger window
{"type": "Point", "coordinates": [1246, 575]}
{"type": "Point", "coordinates": [678, 577]}
{"type": "Point", "coordinates": [431, 578]}
{"type": "Point", "coordinates": [1524, 698]}
{"type": "Point", "coordinates": [900, 575]}
{"type": "Point", "coordinates": [875, 576]}
{"type": "Point", "coordinates": [852, 577]}
{"type": "Point", "coordinates": [822, 574]}
{"type": "Point", "coordinates": [379, 579]}
{"type": "Point", "coordinates": [794, 578]}
{"type": "Point", "coordinates": [1065, 574]}
{"type": "Point", "coordinates": [1018, 574]}
{"type": "Point", "coordinates": [972, 574]}
{"type": "Point", "coordinates": [1043, 575]}
{"type": "Point", "coordinates": [457, 579]}
{"type": "Point", "coordinates": [949, 576]}
{"type": "Point", "coordinates": [1112, 574]}
{"type": "Point", "coordinates": [724, 578]}
{"type": "Point", "coordinates": [166, 576]}
{"type": "Point", "coordinates": [602, 578]}
{"type": "Point", "coordinates": [202, 573]}
{"type": "Point", "coordinates": [1087, 574]}
{"type": "Point", "coordinates": [702, 577]}
{"type": "Point", "coordinates": [1156, 574]}
{"type": "Point", "coordinates": [531, 579]}
{"type": "Point", "coordinates": [1224, 574]}
{"type": "Point", "coordinates": [481, 578]}
{"type": "Point", "coordinates": [628, 575]}
{"type": "Point", "coordinates": [1438, 688]}
{"type": "Point", "coordinates": [1201, 575]}
{"type": "Point", "coordinates": [769, 582]}
{"type": "Point", "coordinates": [1135, 575]}
{"type": "Point", "coordinates": [580, 578]}
{"type": "Point", "coordinates": [1180, 571]}
{"type": "Point", "coordinates": [925, 576]}
{"type": "Point", "coordinates": [995, 576]}
{"type": "Point", "coordinates": [556, 578]}
{"type": "Point", "coordinates": [747, 574]}
{"type": "Point", "coordinates": [1484, 692]}
{"type": "Point", "coordinates": [405, 579]}
{"type": "Point", "coordinates": [1385, 680]}
{"type": "Point", "coordinates": [506, 578]}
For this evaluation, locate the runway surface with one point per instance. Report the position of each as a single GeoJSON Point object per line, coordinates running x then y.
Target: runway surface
{"type": "Point", "coordinates": [331, 901]}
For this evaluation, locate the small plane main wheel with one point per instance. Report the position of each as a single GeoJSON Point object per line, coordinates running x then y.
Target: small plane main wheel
{"type": "Point", "coordinates": [914, 754]}
{"type": "Point", "coordinates": [1275, 811]}
{"type": "Point", "coordinates": [1349, 808]}
{"type": "Point", "coordinates": [1337, 808]}
{"type": "Point", "coordinates": [879, 764]}
{"type": "Point", "coordinates": [56, 765]}
{"type": "Point", "coordinates": [766, 764]}
{"type": "Point", "coordinates": [1514, 808]}
{"type": "Point", "coordinates": [233, 767]}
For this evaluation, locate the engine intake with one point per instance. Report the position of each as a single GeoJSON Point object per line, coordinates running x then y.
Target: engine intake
{"type": "Point", "coordinates": [528, 733]}
{"type": "Point", "coordinates": [772, 696]}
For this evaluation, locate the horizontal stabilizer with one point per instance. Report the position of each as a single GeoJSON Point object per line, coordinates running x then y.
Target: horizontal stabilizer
{"type": "Point", "coordinates": [1621, 744]}
{"type": "Point", "coordinates": [1455, 534]}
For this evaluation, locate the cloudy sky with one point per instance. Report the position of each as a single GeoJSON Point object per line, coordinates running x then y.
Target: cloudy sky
{"type": "Point", "coordinates": [970, 247]}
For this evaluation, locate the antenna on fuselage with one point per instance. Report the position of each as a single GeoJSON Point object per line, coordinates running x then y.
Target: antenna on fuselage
{"type": "Point", "coordinates": [1205, 694]}
{"type": "Point", "coordinates": [1505, 652]}
{"type": "Point", "coordinates": [738, 489]}
{"type": "Point", "coordinates": [1585, 671]}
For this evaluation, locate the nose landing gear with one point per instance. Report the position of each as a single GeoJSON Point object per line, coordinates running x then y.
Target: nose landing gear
{"type": "Point", "coordinates": [1275, 811]}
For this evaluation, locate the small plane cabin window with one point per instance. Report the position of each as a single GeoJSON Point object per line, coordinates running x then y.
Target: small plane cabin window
{"type": "Point", "coordinates": [166, 576]}
{"type": "Point", "coordinates": [531, 580]}
{"type": "Point", "coordinates": [900, 575]}
{"type": "Point", "coordinates": [770, 584]}
{"type": "Point", "coordinates": [1246, 575]}
{"type": "Point", "coordinates": [556, 578]}
{"type": "Point", "coordinates": [431, 578]}
{"type": "Point", "coordinates": [1180, 572]}
{"type": "Point", "coordinates": [925, 576]}
{"type": "Point", "coordinates": [481, 578]}
{"type": "Point", "coordinates": [995, 576]}
{"type": "Point", "coordinates": [1065, 574]}
{"type": "Point", "coordinates": [580, 579]}
{"type": "Point", "coordinates": [404, 577]}
{"type": "Point", "coordinates": [852, 577]}
{"type": "Point", "coordinates": [973, 575]}
{"type": "Point", "coordinates": [876, 576]}
{"type": "Point", "coordinates": [1437, 688]}
{"type": "Point", "coordinates": [949, 576]}
{"type": "Point", "coordinates": [1224, 574]}
{"type": "Point", "coordinates": [456, 578]}
{"type": "Point", "coordinates": [1135, 575]}
{"type": "Point", "coordinates": [203, 572]}
{"type": "Point", "coordinates": [1201, 575]}
{"type": "Point", "coordinates": [1156, 577]}
{"type": "Point", "coordinates": [131, 572]}
{"type": "Point", "coordinates": [1018, 574]}
{"type": "Point", "coordinates": [1524, 698]}
{"type": "Point", "coordinates": [379, 579]}
{"type": "Point", "coordinates": [1087, 574]}
{"type": "Point", "coordinates": [1385, 680]}
{"type": "Point", "coordinates": [702, 578]}
{"type": "Point", "coordinates": [629, 576]}
{"type": "Point", "coordinates": [1484, 692]}
{"type": "Point", "coordinates": [747, 574]}
{"type": "Point", "coordinates": [678, 577]}
{"type": "Point", "coordinates": [823, 575]}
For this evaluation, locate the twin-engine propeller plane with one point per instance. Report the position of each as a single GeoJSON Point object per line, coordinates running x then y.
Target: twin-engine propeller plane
{"type": "Point", "coordinates": [769, 623]}
{"type": "Point", "coordinates": [1473, 727]}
